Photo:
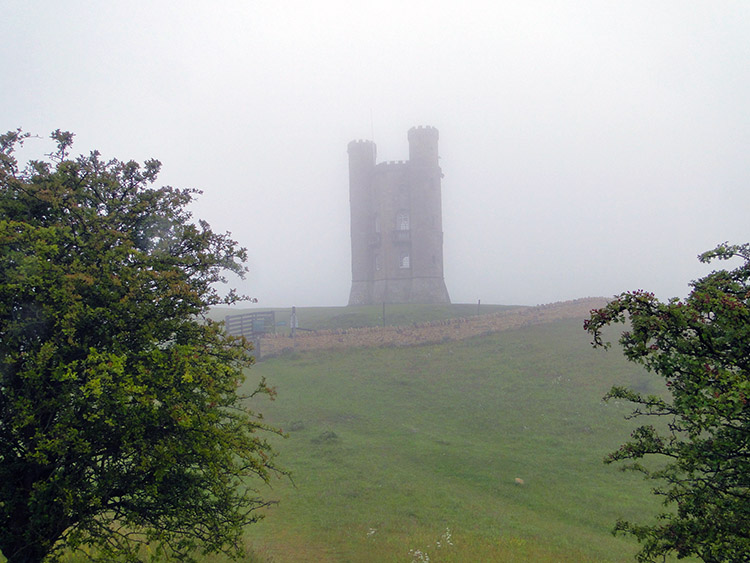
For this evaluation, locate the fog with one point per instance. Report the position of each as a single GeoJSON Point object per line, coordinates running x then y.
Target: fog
{"type": "Point", "coordinates": [588, 147]}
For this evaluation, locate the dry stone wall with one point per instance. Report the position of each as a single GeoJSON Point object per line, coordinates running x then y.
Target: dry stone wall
{"type": "Point", "coordinates": [428, 333]}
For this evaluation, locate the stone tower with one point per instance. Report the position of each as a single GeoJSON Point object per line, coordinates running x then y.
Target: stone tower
{"type": "Point", "coordinates": [396, 224]}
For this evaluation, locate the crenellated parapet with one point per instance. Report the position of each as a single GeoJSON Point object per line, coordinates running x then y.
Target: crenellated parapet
{"type": "Point", "coordinates": [362, 152]}
{"type": "Point", "coordinates": [423, 130]}
{"type": "Point", "coordinates": [357, 143]}
{"type": "Point", "coordinates": [391, 163]}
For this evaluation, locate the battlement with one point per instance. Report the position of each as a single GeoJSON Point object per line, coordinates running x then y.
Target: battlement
{"type": "Point", "coordinates": [422, 131]}
{"type": "Point", "coordinates": [391, 163]}
{"type": "Point", "coordinates": [362, 153]}
{"type": "Point", "coordinates": [360, 145]}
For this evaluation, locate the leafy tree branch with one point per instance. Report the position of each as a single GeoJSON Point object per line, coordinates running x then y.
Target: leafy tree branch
{"type": "Point", "coordinates": [122, 424]}
{"type": "Point", "coordinates": [700, 346]}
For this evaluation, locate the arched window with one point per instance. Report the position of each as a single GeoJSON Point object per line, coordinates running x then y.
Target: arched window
{"type": "Point", "coordinates": [402, 221]}
{"type": "Point", "coordinates": [403, 261]}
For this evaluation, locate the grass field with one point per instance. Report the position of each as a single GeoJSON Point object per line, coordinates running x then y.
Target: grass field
{"type": "Point", "coordinates": [397, 450]}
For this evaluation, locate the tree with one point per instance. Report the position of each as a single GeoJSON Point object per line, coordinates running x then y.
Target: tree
{"type": "Point", "coordinates": [700, 346]}
{"type": "Point", "coordinates": [122, 429]}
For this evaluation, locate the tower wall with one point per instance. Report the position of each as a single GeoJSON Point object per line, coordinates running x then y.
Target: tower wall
{"type": "Point", "coordinates": [397, 237]}
{"type": "Point", "coordinates": [427, 234]}
{"type": "Point", "coordinates": [362, 156]}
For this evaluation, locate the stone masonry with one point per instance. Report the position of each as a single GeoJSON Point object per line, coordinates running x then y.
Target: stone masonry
{"type": "Point", "coordinates": [430, 333]}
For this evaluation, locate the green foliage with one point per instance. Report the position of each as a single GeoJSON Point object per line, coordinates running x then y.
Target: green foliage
{"type": "Point", "coordinates": [700, 346]}
{"type": "Point", "coordinates": [121, 429]}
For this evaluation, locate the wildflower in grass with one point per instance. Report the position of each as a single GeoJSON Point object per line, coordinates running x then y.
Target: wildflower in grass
{"type": "Point", "coordinates": [446, 539]}
{"type": "Point", "coordinates": [419, 556]}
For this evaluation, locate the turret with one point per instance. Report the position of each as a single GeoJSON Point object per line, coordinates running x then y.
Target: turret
{"type": "Point", "coordinates": [361, 164]}
{"type": "Point", "coordinates": [362, 155]}
{"type": "Point", "coordinates": [426, 212]}
{"type": "Point", "coordinates": [423, 145]}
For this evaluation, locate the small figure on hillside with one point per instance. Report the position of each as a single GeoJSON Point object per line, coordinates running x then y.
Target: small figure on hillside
{"type": "Point", "coordinates": [293, 322]}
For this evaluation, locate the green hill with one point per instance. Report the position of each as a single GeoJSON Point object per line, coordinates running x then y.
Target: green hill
{"type": "Point", "coordinates": [397, 450]}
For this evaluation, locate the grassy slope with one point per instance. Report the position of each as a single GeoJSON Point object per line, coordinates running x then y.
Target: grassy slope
{"type": "Point", "coordinates": [390, 447]}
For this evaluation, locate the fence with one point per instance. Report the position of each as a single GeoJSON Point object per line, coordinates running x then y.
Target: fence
{"type": "Point", "coordinates": [253, 326]}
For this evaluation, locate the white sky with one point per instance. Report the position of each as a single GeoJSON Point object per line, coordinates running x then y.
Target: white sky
{"type": "Point", "coordinates": [588, 147]}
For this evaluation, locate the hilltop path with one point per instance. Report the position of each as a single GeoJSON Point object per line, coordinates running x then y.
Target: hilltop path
{"type": "Point", "coordinates": [429, 333]}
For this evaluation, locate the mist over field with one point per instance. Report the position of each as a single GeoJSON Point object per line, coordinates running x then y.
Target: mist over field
{"type": "Point", "coordinates": [587, 147]}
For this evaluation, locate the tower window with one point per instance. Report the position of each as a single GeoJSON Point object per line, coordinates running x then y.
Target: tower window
{"type": "Point", "coordinates": [402, 221]}
{"type": "Point", "coordinates": [403, 261]}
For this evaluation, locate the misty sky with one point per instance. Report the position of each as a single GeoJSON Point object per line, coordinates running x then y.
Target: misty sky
{"type": "Point", "coordinates": [588, 147]}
